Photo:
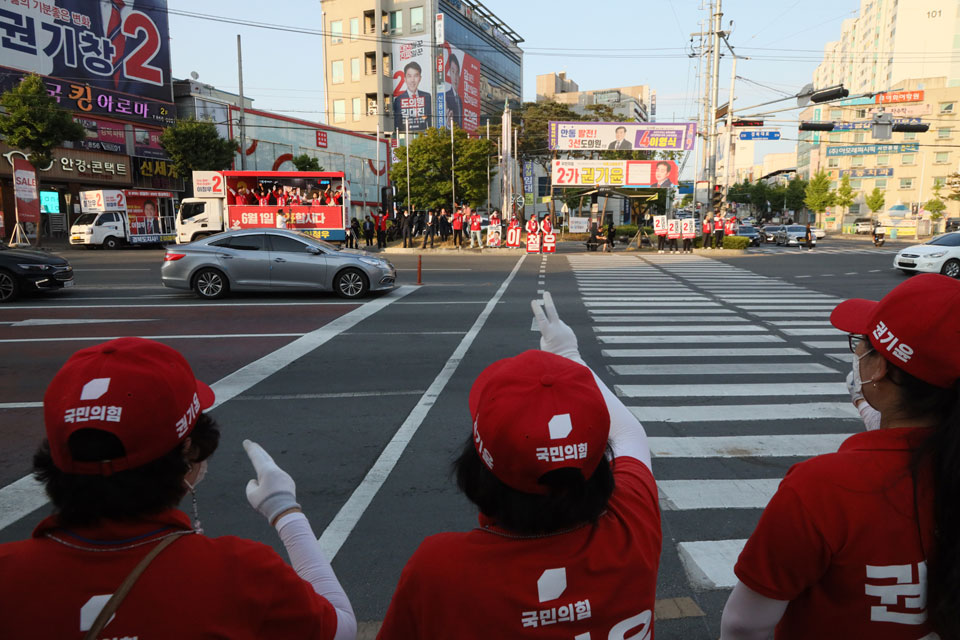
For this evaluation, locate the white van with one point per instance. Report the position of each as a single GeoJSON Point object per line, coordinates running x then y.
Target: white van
{"type": "Point", "coordinates": [111, 218]}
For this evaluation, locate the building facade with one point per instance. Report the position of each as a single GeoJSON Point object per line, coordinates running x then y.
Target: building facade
{"type": "Point", "coordinates": [906, 167]}
{"type": "Point", "coordinates": [632, 103]}
{"type": "Point", "coordinates": [417, 63]}
{"type": "Point", "coordinates": [550, 84]}
{"type": "Point", "coordinates": [893, 40]}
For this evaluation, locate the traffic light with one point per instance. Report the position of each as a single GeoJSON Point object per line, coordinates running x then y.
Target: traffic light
{"type": "Point", "coordinates": [832, 93]}
{"type": "Point", "coordinates": [914, 127]}
{"type": "Point", "coordinates": [717, 199]}
{"type": "Point", "coordinates": [816, 126]}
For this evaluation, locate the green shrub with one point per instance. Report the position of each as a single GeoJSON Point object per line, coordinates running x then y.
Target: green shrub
{"type": "Point", "coordinates": [735, 242]}
{"type": "Point", "coordinates": [626, 230]}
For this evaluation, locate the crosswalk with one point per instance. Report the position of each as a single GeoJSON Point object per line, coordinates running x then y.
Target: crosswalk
{"type": "Point", "coordinates": [819, 249]}
{"type": "Point", "coordinates": [735, 377]}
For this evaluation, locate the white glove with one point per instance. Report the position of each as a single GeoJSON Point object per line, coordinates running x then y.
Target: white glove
{"type": "Point", "coordinates": [273, 491]}
{"type": "Point", "coordinates": [855, 395]}
{"type": "Point", "coordinates": [556, 336]}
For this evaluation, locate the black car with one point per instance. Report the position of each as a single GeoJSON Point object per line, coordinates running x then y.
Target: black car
{"type": "Point", "coordinates": [768, 233]}
{"type": "Point", "coordinates": [749, 232]}
{"type": "Point", "coordinates": [25, 271]}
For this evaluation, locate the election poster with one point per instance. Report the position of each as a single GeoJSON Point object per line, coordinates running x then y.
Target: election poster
{"type": "Point", "coordinates": [673, 229]}
{"type": "Point", "coordinates": [614, 173]}
{"type": "Point", "coordinates": [688, 228]}
{"type": "Point", "coordinates": [113, 46]}
{"type": "Point", "coordinates": [660, 225]}
{"type": "Point", "coordinates": [459, 97]}
{"type": "Point", "coordinates": [514, 238]}
{"type": "Point", "coordinates": [412, 84]}
{"type": "Point", "coordinates": [622, 136]}
{"type": "Point", "coordinates": [533, 243]}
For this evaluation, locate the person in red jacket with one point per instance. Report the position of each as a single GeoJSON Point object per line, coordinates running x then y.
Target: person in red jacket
{"type": "Point", "coordinates": [127, 437]}
{"type": "Point", "coordinates": [381, 221]}
{"type": "Point", "coordinates": [568, 542]}
{"type": "Point", "coordinates": [707, 231]}
{"type": "Point", "coordinates": [458, 228]}
{"type": "Point", "coordinates": [476, 225]}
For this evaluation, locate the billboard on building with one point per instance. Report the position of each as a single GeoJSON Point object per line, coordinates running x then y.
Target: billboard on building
{"type": "Point", "coordinates": [459, 97]}
{"type": "Point", "coordinates": [412, 84]}
{"type": "Point", "coordinates": [114, 46]}
{"type": "Point", "coordinates": [622, 136]}
{"type": "Point", "coordinates": [872, 149]}
{"type": "Point", "coordinates": [100, 135]}
{"type": "Point", "coordinates": [614, 173]}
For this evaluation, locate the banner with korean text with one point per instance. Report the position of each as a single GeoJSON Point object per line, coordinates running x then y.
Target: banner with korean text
{"type": "Point", "coordinates": [614, 173]}
{"type": "Point", "coordinates": [459, 97]}
{"type": "Point", "coordinates": [622, 136]}
{"type": "Point", "coordinates": [25, 191]}
{"type": "Point", "coordinates": [412, 84]}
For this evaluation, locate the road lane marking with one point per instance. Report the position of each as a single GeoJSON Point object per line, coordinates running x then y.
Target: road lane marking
{"type": "Point", "coordinates": [837, 345]}
{"type": "Point", "coordinates": [349, 515]}
{"type": "Point", "coordinates": [747, 413]}
{"type": "Point", "coordinates": [203, 336]}
{"type": "Point", "coordinates": [21, 405]}
{"type": "Point", "coordinates": [658, 310]}
{"type": "Point", "coordinates": [699, 338]}
{"type": "Point", "coordinates": [659, 318]}
{"type": "Point", "coordinates": [709, 563]}
{"type": "Point", "coordinates": [776, 368]}
{"type": "Point", "coordinates": [730, 390]}
{"type": "Point", "coordinates": [786, 446]}
{"type": "Point", "coordinates": [324, 396]}
{"type": "Point", "coordinates": [828, 330]}
{"type": "Point", "coordinates": [691, 328]}
{"type": "Point", "coordinates": [715, 493]}
{"type": "Point", "coordinates": [696, 352]}
{"type": "Point", "coordinates": [46, 322]}
{"type": "Point", "coordinates": [25, 495]}
{"type": "Point", "coordinates": [650, 302]}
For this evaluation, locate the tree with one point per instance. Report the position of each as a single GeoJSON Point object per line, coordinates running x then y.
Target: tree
{"type": "Point", "coordinates": [195, 145]}
{"type": "Point", "coordinates": [818, 195]}
{"type": "Point", "coordinates": [935, 205]}
{"type": "Point", "coordinates": [33, 122]}
{"type": "Point", "coordinates": [876, 200]}
{"type": "Point", "coordinates": [303, 162]}
{"type": "Point", "coordinates": [687, 200]}
{"type": "Point", "coordinates": [430, 169]}
{"type": "Point", "coordinates": [759, 196]}
{"type": "Point", "coordinates": [533, 142]}
{"type": "Point", "coordinates": [796, 193]}
{"type": "Point", "coordinates": [844, 197]}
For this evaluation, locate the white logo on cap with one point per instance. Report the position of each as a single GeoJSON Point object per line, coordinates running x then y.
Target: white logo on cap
{"type": "Point", "coordinates": [95, 389]}
{"type": "Point", "coordinates": [560, 426]}
{"type": "Point", "coordinates": [551, 584]}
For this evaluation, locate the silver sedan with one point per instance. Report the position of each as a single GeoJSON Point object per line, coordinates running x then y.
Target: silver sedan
{"type": "Point", "coordinates": [273, 259]}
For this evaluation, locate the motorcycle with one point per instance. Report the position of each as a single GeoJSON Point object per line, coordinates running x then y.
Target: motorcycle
{"type": "Point", "coordinates": [878, 237]}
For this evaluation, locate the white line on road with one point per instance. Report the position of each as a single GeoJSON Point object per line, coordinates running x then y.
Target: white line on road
{"type": "Point", "coordinates": [657, 311]}
{"type": "Point", "coordinates": [790, 313]}
{"type": "Point", "coordinates": [660, 303]}
{"type": "Point", "coordinates": [57, 322]}
{"type": "Point", "coordinates": [715, 493]}
{"type": "Point", "coordinates": [660, 318]}
{"type": "Point", "coordinates": [835, 345]}
{"type": "Point", "coordinates": [25, 495]}
{"type": "Point", "coordinates": [85, 269]}
{"type": "Point", "coordinates": [203, 336]}
{"type": "Point", "coordinates": [324, 396]}
{"type": "Point", "coordinates": [778, 368]}
{"type": "Point", "coordinates": [709, 563]}
{"type": "Point", "coordinates": [730, 390]}
{"type": "Point", "coordinates": [786, 446]}
{"type": "Point", "coordinates": [690, 328]}
{"type": "Point", "coordinates": [799, 323]}
{"type": "Point", "coordinates": [827, 330]}
{"type": "Point", "coordinates": [698, 352]}
{"type": "Point", "coordinates": [353, 509]}
{"type": "Point", "coordinates": [20, 405]}
{"type": "Point", "coordinates": [748, 412]}
{"type": "Point", "coordinates": [714, 338]}
{"type": "Point", "coordinates": [658, 298]}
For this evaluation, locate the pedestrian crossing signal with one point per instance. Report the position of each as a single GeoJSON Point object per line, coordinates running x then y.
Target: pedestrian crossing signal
{"type": "Point", "coordinates": [717, 198]}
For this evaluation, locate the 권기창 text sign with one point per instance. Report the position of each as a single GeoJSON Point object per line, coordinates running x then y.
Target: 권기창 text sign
{"type": "Point", "coordinates": [614, 173]}
{"type": "Point", "coordinates": [622, 136]}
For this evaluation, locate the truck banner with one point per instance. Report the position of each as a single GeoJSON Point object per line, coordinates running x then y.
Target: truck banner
{"type": "Point", "coordinates": [324, 222]}
{"type": "Point", "coordinates": [209, 184]}
{"type": "Point", "coordinates": [614, 173]}
{"type": "Point", "coordinates": [622, 136]}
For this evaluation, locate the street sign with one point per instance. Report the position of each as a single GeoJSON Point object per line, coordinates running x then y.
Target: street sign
{"type": "Point", "coordinates": [748, 123]}
{"type": "Point", "coordinates": [760, 134]}
{"type": "Point", "coordinates": [518, 198]}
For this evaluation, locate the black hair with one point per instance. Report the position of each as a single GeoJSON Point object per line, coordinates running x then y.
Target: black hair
{"type": "Point", "coordinates": [453, 58]}
{"type": "Point", "coordinates": [571, 499]}
{"type": "Point", "coordinates": [665, 164]}
{"type": "Point", "coordinates": [412, 65]}
{"type": "Point", "coordinates": [81, 500]}
{"type": "Point", "coordinates": [620, 127]}
{"type": "Point", "coordinates": [938, 456]}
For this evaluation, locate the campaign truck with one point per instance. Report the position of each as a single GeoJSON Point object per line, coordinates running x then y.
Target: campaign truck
{"type": "Point", "coordinates": [111, 218]}
{"type": "Point", "coordinates": [311, 202]}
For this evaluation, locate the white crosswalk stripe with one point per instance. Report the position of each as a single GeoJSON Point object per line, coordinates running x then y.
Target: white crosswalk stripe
{"type": "Point", "coordinates": [719, 363]}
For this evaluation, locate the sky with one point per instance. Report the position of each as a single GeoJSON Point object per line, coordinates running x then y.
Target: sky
{"type": "Point", "coordinates": [614, 43]}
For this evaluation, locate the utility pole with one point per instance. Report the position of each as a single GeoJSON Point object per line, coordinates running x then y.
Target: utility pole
{"type": "Point", "coordinates": [453, 183]}
{"type": "Point", "coordinates": [715, 79]}
{"type": "Point", "coordinates": [243, 136]}
{"type": "Point", "coordinates": [406, 142]}
{"type": "Point", "coordinates": [488, 170]}
{"type": "Point", "coordinates": [731, 143]}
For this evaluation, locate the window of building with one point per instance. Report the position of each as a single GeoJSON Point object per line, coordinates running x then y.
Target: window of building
{"type": "Point", "coordinates": [354, 28]}
{"type": "Point", "coordinates": [906, 183]}
{"type": "Point", "coordinates": [336, 32]}
{"type": "Point", "coordinates": [861, 113]}
{"type": "Point", "coordinates": [836, 137]}
{"type": "Point", "coordinates": [880, 183]}
{"type": "Point", "coordinates": [339, 110]}
{"type": "Point", "coordinates": [853, 209]}
{"type": "Point", "coordinates": [859, 136]}
{"type": "Point", "coordinates": [357, 108]}
{"type": "Point", "coordinates": [908, 159]}
{"type": "Point", "coordinates": [416, 19]}
{"type": "Point", "coordinates": [354, 69]}
{"type": "Point", "coordinates": [856, 183]}
{"type": "Point", "coordinates": [883, 161]}
{"type": "Point", "coordinates": [369, 25]}
{"type": "Point", "coordinates": [370, 63]}
{"type": "Point", "coordinates": [833, 163]}
{"type": "Point", "coordinates": [939, 181]}
{"type": "Point", "coordinates": [336, 72]}
{"type": "Point", "coordinates": [856, 161]}
{"type": "Point", "coordinates": [910, 135]}
{"type": "Point", "coordinates": [396, 21]}
{"type": "Point", "coordinates": [943, 132]}
{"type": "Point", "coordinates": [941, 157]}
{"type": "Point", "coordinates": [833, 184]}
{"type": "Point", "coordinates": [946, 108]}
{"type": "Point", "coordinates": [836, 114]}
{"type": "Point", "coordinates": [387, 66]}
{"type": "Point", "coordinates": [371, 104]}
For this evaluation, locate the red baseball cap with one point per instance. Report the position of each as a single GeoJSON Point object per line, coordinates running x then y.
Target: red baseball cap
{"type": "Point", "coordinates": [141, 391]}
{"type": "Point", "coordinates": [537, 412]}
{"type": "Point", "coordinates": [916, 326]}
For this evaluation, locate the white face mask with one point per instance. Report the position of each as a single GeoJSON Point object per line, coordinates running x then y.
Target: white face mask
{"type": "Point", "coordinates": [857, 383]}
{"type": "Point", "coordinates": [871, 417]}
{"type": "Point", "coordinates": [201, 474]}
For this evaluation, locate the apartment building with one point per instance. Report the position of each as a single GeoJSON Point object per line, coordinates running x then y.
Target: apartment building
{"type": "Point", "coordinates": [632, 103]}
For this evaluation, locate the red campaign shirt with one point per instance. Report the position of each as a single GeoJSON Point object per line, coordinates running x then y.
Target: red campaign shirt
{"type": "Point", "coordinates": [730, 226]}
{"type": "Point", "coordinates": [475, 222]}
{"type": "Point", "coordinates": [514, 224]}
{"type": "Point", "coordinates": [198, 587]}
{"type": "Point", "coordinates": [532, 226]}
{"type": "Point", "coordinates": [840, 540]}
{"type": "Point", "coordinates": [494, 220]}
{"type": "Point", "coordinates": [707, 226]}
{"type": "Point", "coordinates": [234, 197]}
{"type": "Point", "coordinates": [546, 226]}
{"type": "Point", "coordinates": [263, 201]}
{"type": "Point", "coordinates": [483, 584]}
{"type": "Point", "coordinates": [458, 221]}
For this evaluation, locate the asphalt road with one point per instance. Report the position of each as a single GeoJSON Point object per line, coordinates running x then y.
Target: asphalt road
{"type": "Point", "coordinates": [366, 404]}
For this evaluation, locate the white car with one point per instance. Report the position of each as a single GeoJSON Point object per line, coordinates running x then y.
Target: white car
{"type": "Point", "coordinates": [939, 255]}
{"type": "Point", "coordinates": [820, 233]}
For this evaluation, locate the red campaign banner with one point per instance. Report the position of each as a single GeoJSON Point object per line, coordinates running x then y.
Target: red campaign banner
{"type": "Point", "coordinates": [549, 243]}
{"type": "Point", "coordinates": [25, 191]}
{"type": "Point", "coordinates": [673, 229]}
{"type": "Point", "coordinates": [299, 217]}
{"type": "Point", "coordinates": [688, 228]}
{"type": "Point", "coordinates": [493, 237]}
{"type": "Point", "coordinates": [533, 243]}
{"type": "Point", "coordinates": [514, 237]}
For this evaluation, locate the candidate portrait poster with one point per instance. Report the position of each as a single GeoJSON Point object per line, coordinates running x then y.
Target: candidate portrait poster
{"type": "Point", "coordinates": [622, 136]}
{"type": "Point", "coordinates": [412, 84]}
{"type": "Point", "coordinates": [459, 97]}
